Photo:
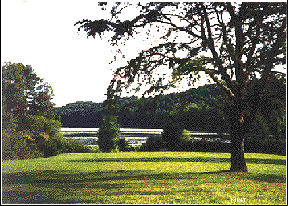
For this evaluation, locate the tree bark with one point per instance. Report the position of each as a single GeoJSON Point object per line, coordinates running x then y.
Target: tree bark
{"type": "Point", "coordinates": [238, 163]}
{"type": "Point", "coordinates": [237, 133]}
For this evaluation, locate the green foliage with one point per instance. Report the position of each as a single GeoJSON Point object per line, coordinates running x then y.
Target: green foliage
{"type": "Point", "coordinates": [171, 135]}
{"type": "Point", "coordinates": [136, 112]}
{"type": "Point", "coordinates": [56, 144]}
{"type": "Point", "coordinates": [185, 135]}
{"type": "Point", "coordinates": [153, 143]}
{"type": "Point", "coordinates": [74, 146]}
{"type": "Point", "coordinates": [199, 109]}
{"type": "Point", "coordinates": [270, 118]}
{"type": "Point", "coordinates": [123, 145]}
{"type": "Point", "coordinates": [16, 145]}
{"type": "Point", "coordinates": [24, 94]}
{"type": "Point", "coordinates": [81, 114]}
{"type": "Point", "coordinates": [108, 133]}
{"type": "Point", "coordinates": [37, 125]}
{"type": "Point", "coordinates": [30, 126]}
{"type": "Point", "coordinates": [49, 147]}
{"type": "Point", "coordinates": [17, 79]}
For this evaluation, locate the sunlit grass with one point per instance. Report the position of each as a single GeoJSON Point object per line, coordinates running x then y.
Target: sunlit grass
{"type": "Point", "coordinates": [144, 178]}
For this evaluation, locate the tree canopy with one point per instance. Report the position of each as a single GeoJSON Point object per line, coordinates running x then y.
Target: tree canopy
{"type": "Point", "coordinates": [249, 31]}
{"type": "Point", "coordinates": [232, 43]}
{"type": "Point", "coordinates": [24, 93]}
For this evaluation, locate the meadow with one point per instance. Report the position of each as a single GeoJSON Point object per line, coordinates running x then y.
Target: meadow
{"type": "Point", "coordinates": [144, 178]}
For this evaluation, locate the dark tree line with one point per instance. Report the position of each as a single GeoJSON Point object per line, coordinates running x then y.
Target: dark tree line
{"type": "Point", "coordinates": [81, 114]}
{"type": "Point", "coordinates": [198, 109]}
{"type": "Point", "coordinates": [136, 112]}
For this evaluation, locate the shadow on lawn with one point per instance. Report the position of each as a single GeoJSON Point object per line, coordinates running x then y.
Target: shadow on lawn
{"type": "Point", "coordinates": [170, 159]}
{"type": "Point", "coordinates": [24, 197]}
{"type": "Point", "coordinates": [50, 186]}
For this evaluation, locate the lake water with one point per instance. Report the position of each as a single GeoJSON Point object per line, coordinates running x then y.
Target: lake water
{"type": "Point", "coordinates": [137, 130]}
{"type": "Point", "coordinates": [134, 136]}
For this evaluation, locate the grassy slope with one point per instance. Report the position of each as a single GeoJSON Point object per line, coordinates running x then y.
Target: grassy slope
{"type": "Point", "coordinates": [148, 177]}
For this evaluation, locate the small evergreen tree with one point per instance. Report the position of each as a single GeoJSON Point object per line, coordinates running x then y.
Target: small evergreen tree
{"type": "Point", "coordinates": [172, 133]}
{"type": "Point", "coordinates": [108, 133]}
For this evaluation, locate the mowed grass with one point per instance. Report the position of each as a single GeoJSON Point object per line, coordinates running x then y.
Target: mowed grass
{"type": "Point", "coordinates": [144, 178]}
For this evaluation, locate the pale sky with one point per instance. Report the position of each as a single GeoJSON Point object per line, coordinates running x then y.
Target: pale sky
{"type": "Point", "coordinates": [41, 33]}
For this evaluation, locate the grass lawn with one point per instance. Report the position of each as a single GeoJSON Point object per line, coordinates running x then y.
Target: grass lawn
{"type": "Point", "coordinates": [144, 178]}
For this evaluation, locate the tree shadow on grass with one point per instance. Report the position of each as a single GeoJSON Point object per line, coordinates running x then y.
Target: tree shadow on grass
{"type": "Point", "coordinates": [60, 186]}
{"type": "Point", "coordinates": [52, 177]}
{"type": "Point", "coordinates": [169, 159]}
{"type": "Point", "coordinates": [24, 197]}
{"type": "Point", "coordinates": [270, 178]}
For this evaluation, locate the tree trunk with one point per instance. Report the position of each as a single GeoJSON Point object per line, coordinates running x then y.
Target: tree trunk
{"type": "Point", "coordinates": [237, 133]}
{"type": "Point", "coordinates": [238, 163]}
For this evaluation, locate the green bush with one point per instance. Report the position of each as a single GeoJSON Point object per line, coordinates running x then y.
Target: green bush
{"type": "Point", "coordinates": [185, 135]}
{"type": "Point", "coordinates": [74, 146]}
{"type": "Point", "coordinates": [57, 144]}
{"type": "Point", "coordinates": [49, 147]}
{"type": "Point", "coordinates": [153, 143]}
{"type": "Point", "coordinates": [123, 145]}
{"type": "Point", "coordinates": [36, 126]}
{"type": "Point", "coordinates": [16, 145]}
{"type": "Point", "coordinates": [53, 145]}
{"type": "Point", "coordinates": [271, 146]}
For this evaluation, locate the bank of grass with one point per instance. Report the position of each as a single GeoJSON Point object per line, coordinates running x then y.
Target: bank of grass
{"type": "Point", "coordinates": [144, 178]}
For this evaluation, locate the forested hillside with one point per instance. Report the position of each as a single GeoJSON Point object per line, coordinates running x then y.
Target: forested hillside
{"type": "Point", "coordinates": [198, 109]}
{"type": "Point", "coordinates": [136, 112]}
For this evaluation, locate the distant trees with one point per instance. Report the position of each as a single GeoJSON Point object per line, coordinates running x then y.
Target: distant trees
{"type": "Point", "coordinates": [136, 112]}
{"type": "Point", "coordinates": [242, 41]}
{"type": "Point", "coordinates": [269, 132]}
{"type": "Point", "coordinates": [198, 109]}
{"type": "Point", "coordinates": [81, 114]}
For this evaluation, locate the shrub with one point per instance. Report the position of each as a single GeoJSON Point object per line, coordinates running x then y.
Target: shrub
{"type": "Point", "coordinates": [57, 144]}
{"type": "Point", "coordinates": [123, 145]}
{"type": "Point", "coordinates": [16, 145]}
{"type": "Point", "coordinates": [49, 147]}
{"type": "Point", "coordinates": [74, 146]}
{"type": "Point", "coordinates": [153, 143]}
{"type": "Point", "coordinates": [185, 136]}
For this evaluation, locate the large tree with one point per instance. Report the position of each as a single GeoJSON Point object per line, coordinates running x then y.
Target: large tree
{"type": "Point", "coordinates": [27, 111]}
{"type": "Point", "coordinates": [232, 43]}
{"type": "Point", "coordinates": [24, 94]}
